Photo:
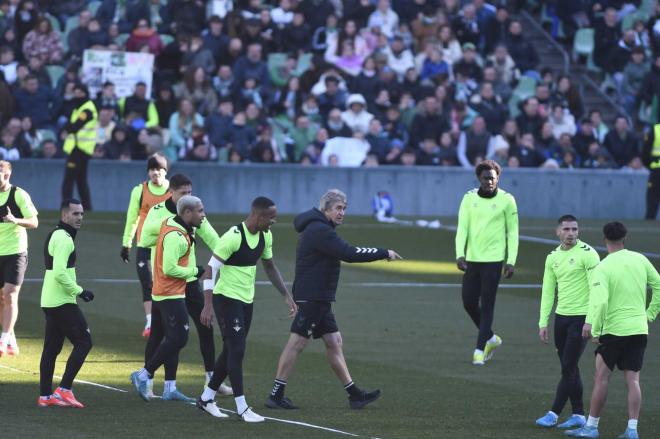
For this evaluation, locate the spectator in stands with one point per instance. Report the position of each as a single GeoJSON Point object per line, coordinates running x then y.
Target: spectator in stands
{"type": "Point", "coordinates": [527, 153]}
{"type": "Point", "coordinates": [49, 150]}
{"type": "Point", "coordinates": [429, 153]}
{"type": "Point", "coordinates": [186, 16]}
{"type": "Point", "coordinates": [356, 116]}
{"type": "Point", "coordinates": [584, 137]}
{"type": "Point", "coordinates": [490, 107]}
{"type": "Point", "coordinates": [43, 42]}
{"type": "Point", "coordinates": [34, 100]}
{"type": "Point", "coordinates": [166, 104]}
{"type": "Point", "coordinates": [181, 124]}
{"type": "Point", "coordinates": [566, 94]}
{"type": "Point", "coordinates": [265, 150]}
{"type": "Point", "coordinates": [547, 143]}
{"type": "Point", "coordinates": [621, 142]}
{"type": "Point", "coordinates": [26, 16]}
{"type": "Point", "coordinates": [106, 124]}
{"type": "Point", "coordinates": [606, 35]}
{"type": "Point", "coordinates": [500, 88]}
{"type": "Point", "coordinates": [8, 64]}
{"type": "Point", "coordinates": [435, 67]}
{"type": "Point", "coordinates": [332, 97]}
{"type": "Point", "coordinates": [107, 98]}
{"type": "Point", "coordinates": [195, 55]}
{"type": "Point", "coordinates": [504, 65]}
{"type": "Point", "coordinates": [251, 65]}
{"type": "Point", "coordinates": [620, 55]}
{"type": "Point", "coordinates": [290, 97]}
{"type": "Point", "coordinates": [429, 122]}
{"type": "Point", "coordinates": [119, 146]}
{"type": "Point", "coordinates": [125, 13]}
{"type": "Point", "coordinates": [240, 137]}
{"type": "Point", "coordinates": [521, 49]}
{"type": "Point", "coordinates": [474, 143]}
{"type": "Point", "coordinates": [77, 38]}
{"type": "Point", "coordinates": [633, 78]}
{"type": "Point", "coordinates": [144, 35]}
{"type": "Point", "coordinates": [561, 121]}
{"type": "Point", "coordinates": [449, 45]}
{"type": "Point", "coordinates": [215, 40]}
{"type": "Point", "coordinates": [335, 125]}
{"type": "Point", "coordinates": [140, 104]}
{"type": "Point", "coordinates": [496, 30]}
{"type": "Point", "coordinates": [97, 36]}
{"type": "Point", "coordinates": [198, 147]}
{"type": "Point", "coordinates": [530, 120]}
{"type": "Point", "coordinates": [399, 58]}
{"type": "Point", "coordinates": [197, 88]}
{"type": "Point", "coordinates": [218, 123]}
{"type": "Point", "coordinates": [8, 149]}
{"type": "Point", "coordinates": [379, 143]}
{"type": "Point", "coordinates": [466, 26]}
{"type": "Point", "coordinates": [600, 128]}
{"type": "Point", "coordinates": [599, 158]}
{"type": "Point", "coordinates": [384, 18]}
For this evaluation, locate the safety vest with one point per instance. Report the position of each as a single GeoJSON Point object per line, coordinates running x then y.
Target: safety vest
{"type": "Point", "coordinates": [147, 201]}
{"type": "Point", "coordinates": [167, 286]}
{"type": "Point", "coordinates": [85, 138]}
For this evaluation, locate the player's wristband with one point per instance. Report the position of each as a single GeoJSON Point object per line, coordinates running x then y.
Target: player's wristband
{"type": "Point", "coordinates": [208, 284]}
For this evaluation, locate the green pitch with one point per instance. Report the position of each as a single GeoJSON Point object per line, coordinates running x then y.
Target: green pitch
{"type": "Point", "coordinates": [413, 342]}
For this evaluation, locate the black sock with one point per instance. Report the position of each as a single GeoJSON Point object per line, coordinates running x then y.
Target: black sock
{"type": "Point", "coordinates": [278, 389]}
{"type": "Point", "coordinates": [352, 389]}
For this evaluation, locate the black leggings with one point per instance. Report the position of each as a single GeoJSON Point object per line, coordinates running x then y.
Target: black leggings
{"type": "Point", "coordinates": [480, 283]}
{"type": "Point", "coordinates": [570, 346]}
{"type": "Point", "coordinates": [234, 318]}
{"type": "Point", "coordinates": [143, 267]}
{"type": "Point", "coordinates": [75, 172]}
{"type": "Point", "coordinates": [63, 321]}
{"type": "Point", "coordinates": [194, 305]}
{"type": "Point", "coordinates": [170, 321]}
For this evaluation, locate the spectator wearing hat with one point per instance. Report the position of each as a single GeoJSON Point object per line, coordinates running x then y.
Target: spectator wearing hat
{"type": "Point", "coordinates": [498, 150]}
{"type": "Point", "coordinates": [356, 116]}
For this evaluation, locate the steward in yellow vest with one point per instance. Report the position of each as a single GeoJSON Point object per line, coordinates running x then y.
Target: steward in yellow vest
{"type": "Point", "coordinates": [79, 142]}
{"type": "Point", "coordinates": [651, 159]}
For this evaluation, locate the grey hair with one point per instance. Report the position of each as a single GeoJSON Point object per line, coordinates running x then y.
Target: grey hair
{"type": "Point", "coordinates": [187, 202]}
{"type": "Point", "coordinates": [330, 198]}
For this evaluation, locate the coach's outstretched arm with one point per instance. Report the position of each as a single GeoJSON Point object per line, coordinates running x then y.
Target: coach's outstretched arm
{"type": "Point", "coordinates": [331, 244]}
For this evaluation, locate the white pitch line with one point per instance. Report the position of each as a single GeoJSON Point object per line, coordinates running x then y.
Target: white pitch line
{"type": "Point", "coordinates": [89, 383]}
{"type": "Point", "coordinates": [284, 421]}
{"type": "Point", "coordinates": [347, 284]}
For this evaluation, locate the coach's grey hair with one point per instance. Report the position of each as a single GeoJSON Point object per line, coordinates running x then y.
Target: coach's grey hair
{"type": "Point", "coordinates": [187, 202]}
{"type": "Point", "coordinates": [330, 198]}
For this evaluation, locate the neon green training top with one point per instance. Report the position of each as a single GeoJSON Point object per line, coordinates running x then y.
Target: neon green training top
{"type": "Point", "coordinates": [237, 282]}
{"type": "Point", "coordinates": [60, 284]}
{"type": "Point", "coordinates": [567, 272]}
{"type": "Point", "coordinates": [617, 300]}
{"type": "Point", "coordinates": [151, 229]}
{"type": "Point", "coordinates": [13, 238]}
{"type": "Point", "coordinates": [175, 246]}
{"type": "Point", "coordinates": [488, 228]}
{"type": "Point", "coordinates": [133, 210]}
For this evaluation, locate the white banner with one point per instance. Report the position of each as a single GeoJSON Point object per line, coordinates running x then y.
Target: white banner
{"type": "Point", "coordinates": [123, 69]}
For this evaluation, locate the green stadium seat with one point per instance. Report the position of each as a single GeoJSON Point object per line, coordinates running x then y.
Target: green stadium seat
{"type": "Point", "coordinates": [55, 72]}
{"type": "Point", "coordinates": [166, 39]}
{"type": "Point", "coordinates": [121, 39]}
{"type": "Point", "coordinates": [526, 87]}
{"type": "Point", "coordinates": [54, 22]}
{"type": "Point", "coordinates": [94, 6]}
{"type": "Point", "coordinates": [583, 43]}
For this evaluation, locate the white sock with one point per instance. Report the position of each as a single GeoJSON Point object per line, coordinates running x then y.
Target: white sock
{"type": "Point", "coordinates": [592, 422]}
{"type": "Point", "coordinates": [4, 338]}
{"type": "Point", "coordinates": [170, 386]}
{"type": "Point", "coordinates": [478, 351]}
{"type": "Point", "coordinates": [148, 324]}
{"type": "Point", "coordinates": [208, 394]}
{"type": "Point", "coordinates": [241, 404]}
{"type": "Point", "coordinates": [143, 374]}
{"type": "Point", "coordinates": [209, 374]}
{"type": "Point", "coordinates": [12, 340]}
{"type": "Point", "coordinates": [632, 424]}
{"type": "Point", "coordinates": [493, 339]}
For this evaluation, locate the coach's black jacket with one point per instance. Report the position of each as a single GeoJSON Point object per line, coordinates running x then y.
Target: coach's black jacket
{"type": "Point", "coordinates": [319, 254]}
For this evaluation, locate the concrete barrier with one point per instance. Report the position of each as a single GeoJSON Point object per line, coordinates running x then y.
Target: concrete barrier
{"type": "Point", "coordinates": [418, 191]}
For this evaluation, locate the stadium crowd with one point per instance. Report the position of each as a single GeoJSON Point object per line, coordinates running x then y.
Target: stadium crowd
{"type": "Point", "coordinates": [315, 82]}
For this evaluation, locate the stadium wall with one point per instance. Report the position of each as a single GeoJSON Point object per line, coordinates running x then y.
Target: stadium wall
{"type": "Point", "coordinates": [419, 191]}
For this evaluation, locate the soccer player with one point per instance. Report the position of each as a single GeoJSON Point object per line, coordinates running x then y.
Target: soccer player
{"type": "Point", "coordinates": [487, 237]}
{"type": "Point", "coordinates": [172, 269]}
{"type": "Point", "coordinates": [235, 258]}
{"type": "Point", "coordinates": [18, 214]}
{"type": "Point", "coordinates": [63, 316]}
{"type": "Point", "coordinates": [143, 197]}
{"type": "Point", "coordinates": [618, 322]}
{"type": "Point", "coordinates": [567, 271]}
{"type": "Point", "coordinates": [180, 185]}
{"type": "Point", "coordinates": [319, 254]}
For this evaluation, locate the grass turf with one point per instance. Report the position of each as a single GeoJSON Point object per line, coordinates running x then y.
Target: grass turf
{"type": "Point", "coordinates": [415, 343]}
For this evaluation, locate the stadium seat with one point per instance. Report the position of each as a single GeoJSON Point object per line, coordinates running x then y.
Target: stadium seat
{"type": "Point", "coordinates": [54, 22]}
{"type": "Point", "coordinates": [121, 39]}
{"type": "Point", "coordinates": [55, 72]}
{"type": "Point", "coordinates": [71, 23]}
{"type": "Point", "coordinates": [94, 6]}
{"type": "Point", "coordinates": [583, 43]}
{"type": "Point", "coordinates": [526, 87]}
{"type": "Point", "coordinates": [166, 39]}
{"type": "Point", "coordinates": [630, 19]}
